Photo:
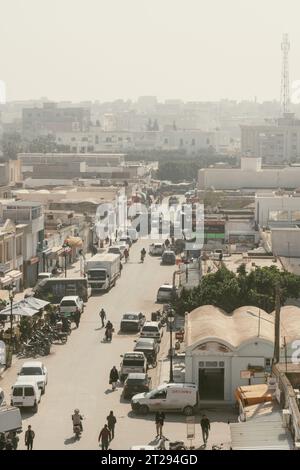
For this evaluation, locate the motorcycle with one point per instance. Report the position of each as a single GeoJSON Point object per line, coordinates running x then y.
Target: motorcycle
{"type": "Point", "coordinates": [108, 335]}
{"type": "Point", "coordinates": [77, 430]}
{"type": "Point", "coordinates": [176, 445]}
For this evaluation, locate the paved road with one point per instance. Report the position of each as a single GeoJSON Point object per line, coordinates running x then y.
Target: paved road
{"type": "Point", "coordinates": [79, 370]}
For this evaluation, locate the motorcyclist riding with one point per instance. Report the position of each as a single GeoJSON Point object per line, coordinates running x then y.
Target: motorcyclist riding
{"type": "Point", "coordinates": [77, 418]}
{"type": "Point", "coordinates": [143, 254]}
{"type": "Point", "coordinates": [126, 254]}
{"type": "Point", "coordinates": [108, 331]}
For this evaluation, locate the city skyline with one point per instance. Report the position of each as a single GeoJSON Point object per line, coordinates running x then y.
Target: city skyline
{"type": "Point", "coordinates": [206, 52]}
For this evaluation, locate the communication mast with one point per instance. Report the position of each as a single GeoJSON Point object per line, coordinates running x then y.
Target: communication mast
{"type": "Point", "coordinates": [285, 81]}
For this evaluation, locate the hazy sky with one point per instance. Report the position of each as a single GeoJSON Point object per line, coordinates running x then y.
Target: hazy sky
{"type": "Point", "coordinates": [108, 49]}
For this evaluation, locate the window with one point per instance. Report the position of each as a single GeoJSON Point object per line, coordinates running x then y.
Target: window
{"type": "Point", "coordinates": [268, 362]}
{"type": "Point", "coordinates": [18, 392]}
{"type": "Point", "coordinates": [19, 246]}
{"type": "Point", "coordinates": [160, 394]}
{"type": "Point", "coordinates": [29, 392]}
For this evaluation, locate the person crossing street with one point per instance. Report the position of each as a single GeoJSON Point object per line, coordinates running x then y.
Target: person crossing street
{"type": "Point", "coordinates": [102, 315]}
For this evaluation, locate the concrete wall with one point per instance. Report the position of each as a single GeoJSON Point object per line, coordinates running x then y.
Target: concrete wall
{"type": "Point", "coordinates": [264, 205]}
{"type": "Point", "coordinates": [286, 242]}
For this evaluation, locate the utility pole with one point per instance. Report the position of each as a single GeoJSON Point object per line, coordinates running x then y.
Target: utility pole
{"type": "Point", "coordinates": [276, 357]}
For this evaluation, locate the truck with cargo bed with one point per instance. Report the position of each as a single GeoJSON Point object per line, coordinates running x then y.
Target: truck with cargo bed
{"type": "Point", "coordinates": [103, 271]}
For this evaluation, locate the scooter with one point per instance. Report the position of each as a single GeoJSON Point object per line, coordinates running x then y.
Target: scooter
{"type": "Point", "coordinates": [77, 430]}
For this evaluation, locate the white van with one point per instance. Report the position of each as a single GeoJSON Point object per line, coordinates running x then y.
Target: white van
{"type": "Point", "coordinates": [165, 293]}
{"type": "Point", "coordinates": [133, 362]}
{"type": "Point", "coordinates": [25, 393]}
{"type": "Point", "coordinates": [151, 330]}
{"type": "Point", "coordinates": [181, 397]}
{"type": "Point", "coordinates": [69, 304]}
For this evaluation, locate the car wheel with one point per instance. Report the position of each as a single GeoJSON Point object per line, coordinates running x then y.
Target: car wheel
{"type": "Point", "coordinates": [35, 407]}
{"type": "Point", "coordinates": [188, 411]}
{"type": "Point", "coordinates": [43, 390]}
{"type": "Point", "coordinates": [143, 410]}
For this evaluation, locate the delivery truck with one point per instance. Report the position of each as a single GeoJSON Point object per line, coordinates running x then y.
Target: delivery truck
{"type": "Point", "coordinates": [103, 270]}
{"type": "Point", "coordinates": [10, 419]}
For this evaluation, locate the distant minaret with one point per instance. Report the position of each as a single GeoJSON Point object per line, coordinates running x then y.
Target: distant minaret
{"type": "Point", "coordinates": [285, 80]}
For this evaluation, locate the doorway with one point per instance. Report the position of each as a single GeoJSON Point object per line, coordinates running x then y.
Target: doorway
{"type": "Point", "coordinates": [211, 383]}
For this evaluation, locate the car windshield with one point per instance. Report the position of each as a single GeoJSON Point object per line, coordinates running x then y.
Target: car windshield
{"type": "Point", "coordinates": [97, 274]}
{"type": "Point", "coordinates": [130, 316]}
{"type": "Point", "coordinates": [135, 381]}
{"type": "Point", "coordinates": [165, 289]}
{"type": "Point", "coordinates": [68, 303]}
{"type": "Point", "coordinates": [133, 362]}
{"type": "Point", "coordinates": [31, 371]}
{"type": "Point", "coordinates": [150, 328]}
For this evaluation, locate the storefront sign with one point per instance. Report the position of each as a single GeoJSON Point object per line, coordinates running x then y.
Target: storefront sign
{"type": "Point", "coordinates": [245, 374]}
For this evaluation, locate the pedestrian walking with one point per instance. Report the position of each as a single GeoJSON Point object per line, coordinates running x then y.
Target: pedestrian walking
{"type": "Point", "coordinates": [205, 426]}
{"type": "Point", "coordinates": [77, 316]}
{"type": "Point", "coordinates": [159, 421]}
{"type": "Point", "coordinates": [104, 437]}
{"type": "Point", "coordinates": [113, 378]}
{"type": "Point", "coordinates": [102, 316]}
{"type": "Point", "coordinates": [29, 437]}
{"type": "Point", "coordinates": [111, 422]}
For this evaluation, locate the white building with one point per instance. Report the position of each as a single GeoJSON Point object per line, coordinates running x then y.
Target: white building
{"type": "Point", "coordinates": [221, 347]}
{"type": "Point", "coordinates": [31, 215]}
{"type": "Point", "coordinates": [189, 140]}
{"type": "Point", "coordinates": [277, 209]}
{"type": "Point", "coordinates": [251, 175]}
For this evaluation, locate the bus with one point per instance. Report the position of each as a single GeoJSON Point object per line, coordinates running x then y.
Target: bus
{"type": "Point", "coordinates": [58, 287]}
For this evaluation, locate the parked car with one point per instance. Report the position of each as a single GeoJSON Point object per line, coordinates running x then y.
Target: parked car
{"type": "Point", "coordinates": [168, 257]}
{"type": "Point", "coordinates": [116, 250]}
{"type": "Point", "coordinates": [175, 397]}
{"type": "Point", "coordinates": [165, 293]}
{"type": "Point", "coordinates": [38, 371]}
{"type": "Point", "coordinates": [69, 304]}
{"type": "Point", "coordinates": [151, 329]}
{"type": "Point", "coordinates": [125, 239]}
{"type": "Point", "coordinates": [132, 362]}
{"type": "Point", "coordinates": [150, 347]}
{"type": "Point", "coordinates": [132, 321]}
{"type": "Point", "coordinates": [157, 249]}
{"type": "Point", "coordinates": [136, 383]}
{"type": "Point", "coordinates": [26, 393]}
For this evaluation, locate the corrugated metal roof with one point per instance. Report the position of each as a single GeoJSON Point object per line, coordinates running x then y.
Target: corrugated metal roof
{"type": "Point", "coordinates": [260, 435]}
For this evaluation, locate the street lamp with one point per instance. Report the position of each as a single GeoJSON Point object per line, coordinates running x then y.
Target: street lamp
{"type": "Point", "coordinates": [171, 318]}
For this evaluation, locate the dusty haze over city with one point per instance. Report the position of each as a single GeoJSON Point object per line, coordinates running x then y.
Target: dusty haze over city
{"type": "Point", "coordinates": [192, 50]}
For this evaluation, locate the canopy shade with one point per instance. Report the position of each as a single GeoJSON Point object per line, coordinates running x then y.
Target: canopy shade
{"type": "Point", "coordinates": [74, 241]}
{"type": "Point", "coordinates": [26, 307]}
